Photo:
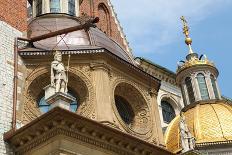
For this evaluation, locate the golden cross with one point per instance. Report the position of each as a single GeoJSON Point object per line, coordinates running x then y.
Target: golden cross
{"type": "Point", "coordinates": [185, 28]}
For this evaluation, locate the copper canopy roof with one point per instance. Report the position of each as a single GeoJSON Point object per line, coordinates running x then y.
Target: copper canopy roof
{"type": "Point", "coordinates": [81, 39]}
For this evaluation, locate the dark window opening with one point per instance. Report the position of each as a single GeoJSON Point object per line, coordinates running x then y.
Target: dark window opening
{"type": "Point", "coordinates": [213, 81]}
{"type": "Point", "coordinates": [203, 87]}
{"type": "Point", "coordinates": [124, 109]}
{"type": "Point", "coordinates": [38, 7]}
{"type": "Point", "coordinates": [167, 111]}
{"type": "Point", "coordinates": [55, 6]}
{"type": "Point", "coordinates": [71, 7]}
{"type": "Point", "coordinates": [188, 82]}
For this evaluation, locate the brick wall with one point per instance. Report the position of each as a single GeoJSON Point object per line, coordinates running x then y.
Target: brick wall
{"type": "Point", "coordinates": [7, 36]}
{"type": "Point", "coordinates": [14, 12]}
{"type": "Point", "coordinates": [85, 7]}
{"type": "Point", "coordinates": [111, 27]}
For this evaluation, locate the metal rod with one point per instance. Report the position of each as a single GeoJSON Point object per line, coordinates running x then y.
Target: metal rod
{"type": "Point", "coordinates": [66, 30]}
{"type": "Point", "coordinates": [15, 89]}
{"type": "Point", "coordinates": [66, 87]}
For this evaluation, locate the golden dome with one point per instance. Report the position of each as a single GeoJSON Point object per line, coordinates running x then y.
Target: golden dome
{"type": "Point", "coordinates": [209, 123]}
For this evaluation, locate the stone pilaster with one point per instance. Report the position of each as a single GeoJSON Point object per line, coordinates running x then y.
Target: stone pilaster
{"type": "Point", "coordinates": [196, 89]}
{"type": "Point", "coordinates": [158, 137]}
{"type": "Point", "coordinates": [209, 85]}
{"type": "Point", "coordinates": [101, 81]}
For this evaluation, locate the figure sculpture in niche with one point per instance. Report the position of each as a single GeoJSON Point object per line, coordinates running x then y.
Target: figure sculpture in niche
{"type": "Point", "coordinates": [58, 76]}
{"type": "Point", "coordinates": [187, 140]}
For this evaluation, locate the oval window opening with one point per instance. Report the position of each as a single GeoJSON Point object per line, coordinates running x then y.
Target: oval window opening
{"type": "Point", "coordinates": [124, 110]}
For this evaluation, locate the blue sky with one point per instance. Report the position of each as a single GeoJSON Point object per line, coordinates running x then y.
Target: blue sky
{"type": "Point", "coordinates": [154, 31]}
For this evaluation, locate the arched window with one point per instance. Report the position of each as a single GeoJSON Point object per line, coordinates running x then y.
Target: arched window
{"type": "Point", "coordinates": [213, 82]}
{"type": "Point", "coordinates": [104, 23]}
{"type": "Point", "coordinates": [45, 107]}
{"type": "Point", "coordinates": [188, 82]}
{"type": "Point", "coordinates": [124, 109]}
{"type": "Point", "coordinates": [38, 7]}
{"type": "Point", "coordinates": [71, 7]}
{"type": "Point", "coordinates": [203, 87]}
{"type": "Point", "coordinates": [167, 111]}
{"type": "Point", "coordinates": [55, 6]}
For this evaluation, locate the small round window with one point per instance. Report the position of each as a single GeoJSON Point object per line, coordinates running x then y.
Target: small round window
{"type": "Point", "coordinates": [45, 107]}
{"type": "Point", "coordinates": [124, 109]}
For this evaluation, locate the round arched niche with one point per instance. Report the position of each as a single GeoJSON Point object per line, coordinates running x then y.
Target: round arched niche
{"type": "Point", "coordinates": [141, 123]}
{"type": "Point", "coordinates": [35, 92]}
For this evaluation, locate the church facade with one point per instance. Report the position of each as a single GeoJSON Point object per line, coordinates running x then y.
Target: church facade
{"type": "Point", "coordinates": [71, 85]}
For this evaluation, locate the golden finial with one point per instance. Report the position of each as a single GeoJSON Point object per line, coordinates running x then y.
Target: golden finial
{"type": "Point", "coordinates": [185, 28]}
{"type": "Point", "coordinates": [188, 40]}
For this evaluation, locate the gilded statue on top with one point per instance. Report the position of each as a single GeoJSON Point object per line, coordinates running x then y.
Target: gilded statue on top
{"type": "Point", "coordinates": [185, 28]}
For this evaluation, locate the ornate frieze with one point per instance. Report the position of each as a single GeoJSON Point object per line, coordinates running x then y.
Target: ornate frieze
{"type": "Point", "coordinates": [59, 122]}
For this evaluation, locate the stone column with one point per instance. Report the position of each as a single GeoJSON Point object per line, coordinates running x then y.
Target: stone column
{"type": "Point", "coordinates": [64, 6]}
{"type": "Point", "coordinates": [34, 9]}
{"type": "Point", "coordinates": [46, 6]}
{"type": "Point", "coordinates": [196, 89]}
{"type": "Point", "coordinates": [209, 85]}
{"type": "Point", "coordinates": [77, 7]}
{"type": "Point", "coordinates": [101, 82]}
{"type": "Point", "coordinates": [218, 90]}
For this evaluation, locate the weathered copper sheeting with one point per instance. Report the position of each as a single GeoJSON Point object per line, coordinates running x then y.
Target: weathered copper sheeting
{"type": "Point", "coordinates": [74, 40]}
{"type": "Point", "coordinates": [100, 39]}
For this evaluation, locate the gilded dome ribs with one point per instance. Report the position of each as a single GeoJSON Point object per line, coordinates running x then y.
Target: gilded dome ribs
{"type": "Point", "coordinates": [219, 122]}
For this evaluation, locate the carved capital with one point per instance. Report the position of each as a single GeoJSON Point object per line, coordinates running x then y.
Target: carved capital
{"type": "Point", "coordinates": [153, 92]}
{"type": "Point", "coordinates": [101, 66]}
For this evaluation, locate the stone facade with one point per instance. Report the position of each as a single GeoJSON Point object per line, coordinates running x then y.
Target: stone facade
{"type": "Point", "coordinates": [169, 91]}
{"type": "Point", "coordinates": [96, 82]}
{"type": "Point", "coordinates": [7, 37]}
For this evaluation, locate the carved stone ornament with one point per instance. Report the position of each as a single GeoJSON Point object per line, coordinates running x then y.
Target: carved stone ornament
{"type": "Point", "coordinates": [142, 122]}
{"type": "Point", "coordinates": [60, 125]}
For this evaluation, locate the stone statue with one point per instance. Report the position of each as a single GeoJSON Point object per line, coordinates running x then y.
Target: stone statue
{"type": "Point", "coordinates": [58, 76]}
{"type": "Point", "coordinates": [187, 140]}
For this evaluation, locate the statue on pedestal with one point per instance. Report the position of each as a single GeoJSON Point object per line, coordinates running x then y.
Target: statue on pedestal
{"type": "Point", "coordinates": [187, 140]}
{"type": "Point", "coordinates": [56, 93]}
{"type": "Point", "coordinates": [58, 74]}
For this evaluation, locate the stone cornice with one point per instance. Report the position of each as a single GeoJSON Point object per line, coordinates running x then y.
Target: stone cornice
{"type": "Point", "coordinates": [62, 122]}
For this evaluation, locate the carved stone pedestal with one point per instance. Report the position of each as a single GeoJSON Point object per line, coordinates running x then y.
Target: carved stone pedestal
{"type": "Point", "coordinates": [61, 100]}
{"type": "Point", "coordinates": [49, 91]}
